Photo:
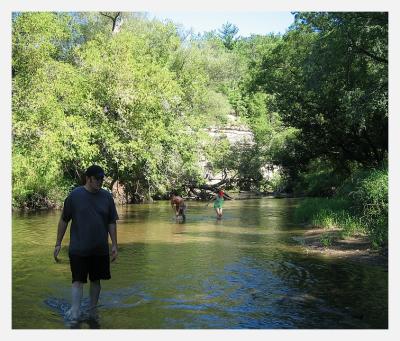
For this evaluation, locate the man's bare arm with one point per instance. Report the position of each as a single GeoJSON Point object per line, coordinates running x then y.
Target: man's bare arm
{"type": "Point", "coordinates": [112, 230]}
{"type": "Point", "coordinates": [62, 227]}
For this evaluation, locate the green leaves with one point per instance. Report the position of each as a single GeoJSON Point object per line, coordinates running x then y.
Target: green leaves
{"type": "Point", "coordinates": [325, 79]}
{"type": "Point", "coordinates": [134, 101]}
{"type": "Point", "coordinates": [227, 33]}
{"type": "Point", "coordinates": [37, 38]}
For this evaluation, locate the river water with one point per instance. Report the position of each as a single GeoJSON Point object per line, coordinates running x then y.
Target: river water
{"type": "Point", "coordinates": [244, 271]}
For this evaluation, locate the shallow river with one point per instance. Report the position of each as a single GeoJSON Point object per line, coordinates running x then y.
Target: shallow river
{"type": "Point", "coordinates": [244, 271]}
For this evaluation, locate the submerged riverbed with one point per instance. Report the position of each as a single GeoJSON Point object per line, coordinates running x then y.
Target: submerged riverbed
{"type": "Point", "coordinates": [244, 271]}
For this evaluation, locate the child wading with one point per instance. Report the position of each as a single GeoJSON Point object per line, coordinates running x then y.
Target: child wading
{"type": "Point", "coordinates": [218, 203]}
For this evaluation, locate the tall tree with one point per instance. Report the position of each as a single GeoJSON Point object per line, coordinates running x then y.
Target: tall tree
{"type": "Point", "coordinates": [227, 33]}
{"type": "Point", "coordinates": [116, 20]}
{"type": "Point", "coordinates": [330, 77]}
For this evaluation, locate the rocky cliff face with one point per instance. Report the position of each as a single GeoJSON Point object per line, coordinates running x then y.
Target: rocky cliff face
{"type": "Point", "coordinates": [234, 131]}
{"type": "Point", "coordinates": [235, 135]}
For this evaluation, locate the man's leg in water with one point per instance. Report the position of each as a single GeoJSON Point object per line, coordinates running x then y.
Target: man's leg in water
{"type": "Point", "coordinates": [77, 292]}
{"type": "Point", "coordinates": [94, 290]}
{"type": "Point", "coordinates": [183, 212]}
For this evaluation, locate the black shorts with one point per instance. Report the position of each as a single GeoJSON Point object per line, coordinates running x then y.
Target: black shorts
{"type": "Point", "coordinates": [98, 267]}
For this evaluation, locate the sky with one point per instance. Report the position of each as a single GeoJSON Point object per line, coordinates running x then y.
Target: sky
{"type": "Point", "coordinates": [248, 22]}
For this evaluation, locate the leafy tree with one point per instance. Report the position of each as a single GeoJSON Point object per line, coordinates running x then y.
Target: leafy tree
{"type": "Point", "coordinates": [330, 81]}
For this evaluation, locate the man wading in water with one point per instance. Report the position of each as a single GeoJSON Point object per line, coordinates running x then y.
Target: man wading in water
{"type": "Point", "coordinates": [178, 204]}
{"type": "Point", "coordinates": [93, 214]}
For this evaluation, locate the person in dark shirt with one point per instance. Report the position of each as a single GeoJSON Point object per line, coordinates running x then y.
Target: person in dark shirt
{"type": "Point", "coordinates": [93, 214]}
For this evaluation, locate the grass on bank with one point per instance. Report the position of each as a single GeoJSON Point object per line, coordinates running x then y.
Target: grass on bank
{"type": "Point", "coordinates": [360, 207]}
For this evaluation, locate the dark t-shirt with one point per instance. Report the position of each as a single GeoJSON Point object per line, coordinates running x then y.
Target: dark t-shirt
{"type": "Point", "coordinates": [90, 213]}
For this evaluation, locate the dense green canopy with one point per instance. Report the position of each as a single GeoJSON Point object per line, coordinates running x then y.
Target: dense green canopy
{"type": "Point", "coordinates": [135, 96]}
{"type": "Point", "coordinates": [329, 75]}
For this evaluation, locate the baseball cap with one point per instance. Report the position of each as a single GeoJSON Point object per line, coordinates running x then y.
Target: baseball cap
{"type": "Point", "coordinates": [94, 170]}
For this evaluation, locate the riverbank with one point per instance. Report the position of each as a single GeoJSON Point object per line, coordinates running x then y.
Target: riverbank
{"type": "Point", "coordinates": [328, 242]}
{"type": "Point", "coordinates": [243, 195]}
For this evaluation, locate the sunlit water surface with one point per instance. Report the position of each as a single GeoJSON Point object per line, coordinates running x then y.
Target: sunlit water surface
{"type": "Point", "coordinates": [244, 271]}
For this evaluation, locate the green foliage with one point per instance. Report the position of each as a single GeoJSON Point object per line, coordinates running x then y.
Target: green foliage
{"type": "Point", "coordinates": [46, 92]}
{"type": "Point", "coordinates": [228, 32]}
{"type": "Point", "coordinates": [330, 81]}
{"type": "Point", "coordinates": [37, 182]}
{"type": "Point", "coordinates": [370, 197]}
{"type": "Point", "coordinates": [310, 207]}
{"type": "Point", "coordinates": [134, 102]}
{"type": "Point", "coordinates": [359, 207]}
{"type": "Point", "coordinates": [331, 213]}
{"type": "Point", "coordinates": [320, 178]}
{"type": "Point", "coordinates": [247, 160]}
{"type": "Point", "coordinates": [38, 38]}
{"type": "Point", "coordinates": [257, 107]}
{"type": "Point", "coordinates": [276, 183]}
{"type": "Point", "coordinates": [144, 107]}
{"type": "Point", "coordinates": [326, 239]}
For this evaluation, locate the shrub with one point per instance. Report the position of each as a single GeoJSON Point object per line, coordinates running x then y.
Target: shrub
{"type": "Point", "coordinates": [359, 207]}
{"type": "Point", "coordinates": [371, 199]}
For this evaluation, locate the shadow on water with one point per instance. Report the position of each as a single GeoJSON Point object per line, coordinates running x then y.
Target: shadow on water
{"type": "Point", "coordinates": [242, 271]}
